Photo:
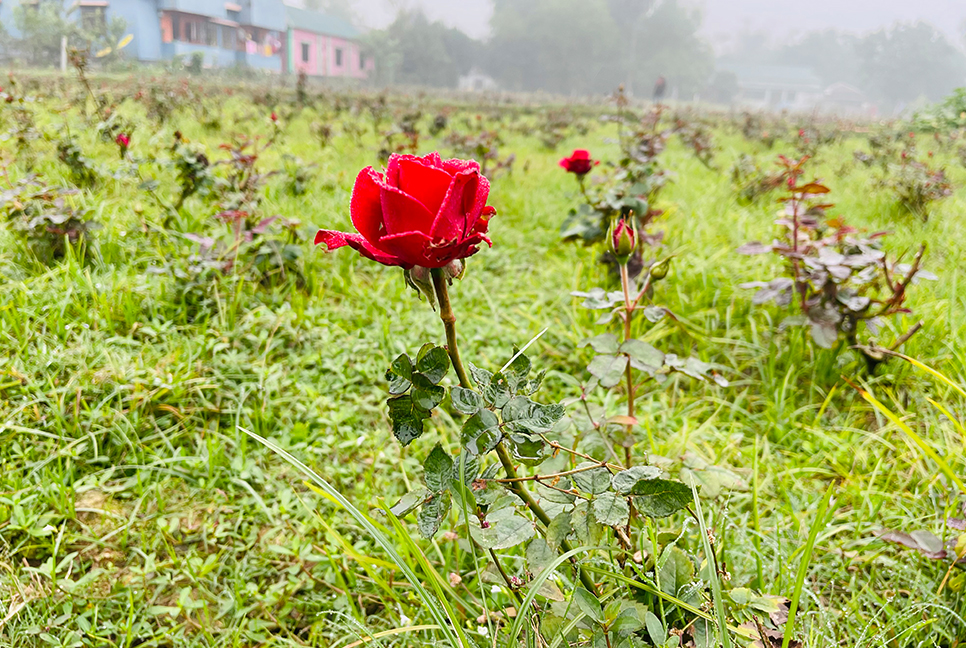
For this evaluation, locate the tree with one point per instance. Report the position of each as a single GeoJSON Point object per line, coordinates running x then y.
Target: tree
{"type": "Point", "coordinates": [341, 8]}
{"type": "Point", "coordinates": [42, 27]}
{"type": "Point", "coordinates": [910, 61]}
{"type": "Point", "coordinates": [565, 46]}
{"type": "Point", "coordinates": [667, 44]}
{"type": "Point", "coordinates": [589, 46]}
{"type": "Point", "coordinates": [413, 50]}
{"type": "Point", "coordinates": [830, 53]}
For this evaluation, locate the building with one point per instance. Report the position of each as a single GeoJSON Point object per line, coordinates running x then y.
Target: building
{"type": "Point", "coordinates": [247, 33]}
{"type": "Point", "coordinates": [321, 45]}
{"type": "Point", "coordinates": [776, 87]}
{"type": "Point", "coordinates": [260, 34]}
{"type": "Point", "coordinates": [476, 81]}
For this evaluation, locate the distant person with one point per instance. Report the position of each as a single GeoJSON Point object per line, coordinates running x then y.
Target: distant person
{"type": "Point", "coordinates": [659, 87]}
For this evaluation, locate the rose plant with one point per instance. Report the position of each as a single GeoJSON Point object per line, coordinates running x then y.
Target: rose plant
{"type": "Point", "coordinates": [594, 513]}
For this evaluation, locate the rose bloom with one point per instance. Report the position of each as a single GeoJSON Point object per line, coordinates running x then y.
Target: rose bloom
{"type": "Point", "coordinates": [123, 140]}
{"type": "Point", "coordinates": [579, 162]}
{"type": "Point", "coordinates": [424, 211]}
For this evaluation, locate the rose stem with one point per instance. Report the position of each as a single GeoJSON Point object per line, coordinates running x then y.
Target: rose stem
{"type": "Point", "coordinates": [628, 314]}
{"type": "Point", "coordinates": [449, 323]}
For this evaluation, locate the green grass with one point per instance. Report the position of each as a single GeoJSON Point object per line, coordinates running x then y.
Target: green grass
{"type": "Point", "coordinates": [134, 511]}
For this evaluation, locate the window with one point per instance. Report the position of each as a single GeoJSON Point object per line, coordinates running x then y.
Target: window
{"type": "Point", "coordinates": [175, 28]}
{"type": "Point", "coordinates": [338, 57]}
{"type": "Point", "coordinates": [305, 52]}
{"type": "Point", "coordinates": [362, 61]}
{"type": "Point", "coordinates": [228, 36]}
{"type": "Point", "coordinates": [211, 34]}
{"type": "Point", "coordinates": [93, 19]}
{"type": "Point", "coordinates": [234, 16]}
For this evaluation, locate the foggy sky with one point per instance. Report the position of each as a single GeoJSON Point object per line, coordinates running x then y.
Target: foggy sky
{"type": "Point", "coordinates": [723, 19]}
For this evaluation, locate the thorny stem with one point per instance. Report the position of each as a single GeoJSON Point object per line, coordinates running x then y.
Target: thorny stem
{"type": "Point", "coordinates": [449, 323]}
{"type": "Point", "coordinates": [538, 511]}
{"type": "Point", "coordinates": [506, 577]}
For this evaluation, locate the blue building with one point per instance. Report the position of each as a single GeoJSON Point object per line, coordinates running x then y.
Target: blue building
{"type": "Point", "coordinates": [243, 32]}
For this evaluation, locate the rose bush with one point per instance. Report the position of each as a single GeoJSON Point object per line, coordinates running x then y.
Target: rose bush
{"type": "Point", "coordinates": [424, 211]}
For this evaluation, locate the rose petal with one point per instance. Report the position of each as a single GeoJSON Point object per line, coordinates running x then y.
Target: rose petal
{"type": "Point", "coordinates": [412, 247]}
{"type": "Point", "coordinates": [427, 184]}
{"type": "Point", "coordinates": [334, 240]}
{"type": "Point", "coordinates": [455, 166]}
{"type": "Point", "coordinates": [455, 218]}
{"type": "Point", "coordinates": [365, 206]}
{"type": "Point", "coordinates": [403, 214]}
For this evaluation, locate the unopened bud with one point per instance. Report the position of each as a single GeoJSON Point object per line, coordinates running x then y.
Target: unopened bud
{"type": "Point", "coordinates": [623, 239]}
{"type": "Point", "coordinates": [660, 269]}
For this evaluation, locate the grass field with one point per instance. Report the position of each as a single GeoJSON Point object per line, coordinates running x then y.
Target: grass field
{"type": "Point", "coordinates": [134, 510]}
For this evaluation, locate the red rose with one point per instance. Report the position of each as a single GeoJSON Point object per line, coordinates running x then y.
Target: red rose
{"type": "Point", "coordinates": [424, 211]}
{"type": "Point", "coordinates": [122, 140]}
{"type": "Point", "coordinates": [578, 163]}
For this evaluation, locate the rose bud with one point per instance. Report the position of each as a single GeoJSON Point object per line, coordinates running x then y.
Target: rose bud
{"type": "Point", "coordinates": [660, 269]}
{"type": "Point", "coordinates": [579, 163]}
{"type": "Point", "coordinates": [623, 239]}
{"type": "Point", "coordinates": [424, 211]}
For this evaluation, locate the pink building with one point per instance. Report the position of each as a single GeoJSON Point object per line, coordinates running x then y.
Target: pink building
{"type": "Point", "coordinates": [323, 46]}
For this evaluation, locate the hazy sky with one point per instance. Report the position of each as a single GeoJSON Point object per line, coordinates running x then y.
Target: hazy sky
{"type": "Point", "coordinates": [722, 18]}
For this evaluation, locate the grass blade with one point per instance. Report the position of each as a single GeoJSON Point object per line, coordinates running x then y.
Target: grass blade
{"type": "Point", "coordinates": [803, 565]}
{"type": "Point", "coordinates": [438, 611]}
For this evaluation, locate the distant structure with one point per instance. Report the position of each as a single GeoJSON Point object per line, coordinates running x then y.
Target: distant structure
{"type": "Point", "coordinates": [660, 86]}
{"type": "Point", "coordinates": [476, 81]}
{"type": "Point", "coordinates": [259, 34]}
{"type": "Point", "coordinates": [843, 99]}
{"type": "Point", "coordinates": [777, 87]}
{"type": "Point", "coordinates": [323, 46]}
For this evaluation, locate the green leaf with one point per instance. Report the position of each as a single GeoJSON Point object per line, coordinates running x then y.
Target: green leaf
{"type": "Point", "coordinates": [539, 555]}
{"type": "Point", "coordinates": [432, 514]}
{"type": "Point", "coordinates": [662, 497]}
{"type": "Point", "coordinates": [611, 510]}
{"type": "Point", "coordinates": [465, 401]}
{"type": "Point", "coordinates": [559, 528]}
{"type": "Point", "coordinates": [399, 374]}
{"type": "Point", "coordinates": [410, 502]}
{"type": "Point", "coordinates": [655, 628]}
{"type": "Point", "coordinates": [588, 604]}
{"type": "Point", "coordinates": [481, 432]}
{"type": "Point", "coordinates": [529, 450]}
{"type": "Point", "coordinates": [481, 377]}
{"type": "Point", "coordinates": [643, 356]}
{"type": "Point", "coordinates": [438, 470]}
{"type": "Point", "coordinates": [627, 621]}
{"type": "Point", "coordinates": [676, 570]}
{"type": "Point", "coordinates": [497, 392]}
{"type": "Point", "coordinates": [470, 468]}
{"type": "Point", "coordinates": [608, 369]}
{"type": "Point", "coordinates": [626, 482]}
{"type": "Point", "coordinates": [588, 530]}
{"type": "Point", "coordinates": [406, 418]}
{"type": "Point", "coordinates": [425, 394]}
{"type": "Point", "coordinates": [594, 481]}
{"type": "Point", "coordinates": [517, 371]}
{"type": "Point", "coordinates": [504, 529]}
{"type": "Point", "coordinates": [432, 362]}
{"type": "Point", "coordinates": [605, 343]}
{"type": "Point", "coordinates": [522, 414]}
